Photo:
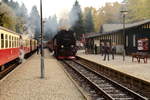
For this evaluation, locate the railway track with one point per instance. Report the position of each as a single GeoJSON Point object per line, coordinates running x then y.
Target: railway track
{"type": "Point", "coordinates": [8, 69]}
{"type": "Point", "coordinates": [140, 86]}
{"type": "Point", "coordinates": [99, 86]}
{"type": "Point", "coordinates": [12, 66]}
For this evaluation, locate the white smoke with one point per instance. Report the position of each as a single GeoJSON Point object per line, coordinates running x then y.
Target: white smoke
{"type": "Point", "coordinates": [51, 26]}
{"type": "Point", "coordinates": [74, 15]}
{"type": "Point", "coordinates": [64, 21]}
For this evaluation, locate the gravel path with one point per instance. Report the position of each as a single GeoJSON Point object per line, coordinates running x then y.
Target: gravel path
{"type": "Point", "coordinates": [25, 83]}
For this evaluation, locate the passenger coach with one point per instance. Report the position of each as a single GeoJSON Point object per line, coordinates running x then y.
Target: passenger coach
{"type": "Point", "coordinates": [10, 45]}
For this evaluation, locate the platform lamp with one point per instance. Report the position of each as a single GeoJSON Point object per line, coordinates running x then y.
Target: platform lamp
{"type": "Point", "coordinates": [42, 52]}
{"type": "Point", "coordinates": [124, 12]}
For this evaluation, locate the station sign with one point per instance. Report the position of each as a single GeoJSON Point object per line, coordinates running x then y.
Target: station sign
{"type": "Point", "coordinates": [143, 44]}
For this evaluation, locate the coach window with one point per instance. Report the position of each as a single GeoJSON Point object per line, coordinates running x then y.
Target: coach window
{"type": "Point", "coordinates": [2, 40]}
{"type": "Point", "coordinates": [9, 41]}
{"type": "Point", "coordinates": [15, 42]}
{"type": "Point", "coordinates": [12, 42]}
{"type": "Point", "coordinates": [6, 41]}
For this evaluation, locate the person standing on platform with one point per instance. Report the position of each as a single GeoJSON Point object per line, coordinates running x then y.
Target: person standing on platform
{"type": "Point", "coordinates": [95, 47]}
{"type": "Point", "coordinates": [106, 51]}
{"type": "Point", "coordinates": [102, 48]}
{"type": "Point", "coordinates": [38, 49]}
{"type": "Point", "coordinates": [86, 48]}
{"type": "Point", "coordinates": [113, 50]}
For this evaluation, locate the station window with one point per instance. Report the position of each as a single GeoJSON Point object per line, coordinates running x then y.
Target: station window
{"type": "Point", "coordinates": [127, 40]}
{"type": "Point", "coordinates": [6, 41]}
{"type": "Point", "coordinates": [2, 40]}
{"type": "Point", "coordinates": [9, 41]}
{"type": "Point", "coordinates": [134, 40]}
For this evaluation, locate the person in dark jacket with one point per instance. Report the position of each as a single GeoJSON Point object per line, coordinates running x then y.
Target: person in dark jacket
{"type": "Point", "coordinates": [95, 47]}
{"type": "Point", "coordinates": [113, 50]}
{"type": "Point", "coordinates": [102, 48]}
{"type": "Point", "coordinates": [106, 51]}
{"type": "Point", "coordinates": [38, 49]}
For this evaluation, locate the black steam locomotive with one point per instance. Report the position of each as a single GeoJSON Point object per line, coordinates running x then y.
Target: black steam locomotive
{"type": "Point", "coordinates": [64, 45]}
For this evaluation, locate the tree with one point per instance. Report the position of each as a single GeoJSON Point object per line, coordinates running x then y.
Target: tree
{"type": "Point", "coordinates": [5, 1]}
{"type": "Point", "coordinates": [111, 12]}
{"type": "Point", "coordinates": [138, 10]}
{"type": "Point", "coordinates": [98, 19]}
{"type": "Point", "coordinates": [20, 17]}
{"type": "Point", "coordinates": [88, 20]}
{"type": "Point", "coordinates": [76, 20]}
{"type": "Point", "coordinates": [7, 17]}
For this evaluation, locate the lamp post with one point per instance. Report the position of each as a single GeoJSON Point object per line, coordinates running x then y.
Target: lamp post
{"type": "Point", "coordinates": [124, 13]}
{"type": "Point", "coordinates": [42, 53]}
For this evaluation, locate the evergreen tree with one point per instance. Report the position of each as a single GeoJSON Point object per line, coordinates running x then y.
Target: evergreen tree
{"type": "Point", "coordinates": [5, 1]}
{"type": "Point", "coordinates": [89, 26]}
{"type": "Point", "coordinates": [77, 21]}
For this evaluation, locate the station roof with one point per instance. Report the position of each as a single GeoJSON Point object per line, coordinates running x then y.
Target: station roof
{"type": "Point", "coordinates": [111, 28]}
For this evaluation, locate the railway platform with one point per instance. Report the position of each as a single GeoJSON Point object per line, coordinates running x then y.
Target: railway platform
{"type": "Point", "coordinates": [24, 82]}
{"type": "Point", "coordinates": [139, 70]}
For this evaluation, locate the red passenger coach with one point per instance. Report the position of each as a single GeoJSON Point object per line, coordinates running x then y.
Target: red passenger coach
{"type": "Point", "coordinates": [10, 45]}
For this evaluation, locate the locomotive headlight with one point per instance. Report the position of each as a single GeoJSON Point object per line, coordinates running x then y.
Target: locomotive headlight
{"type": "Point", "coordinates": [62, 46]}
{"type": "Point", "coordinates": [72, 46]}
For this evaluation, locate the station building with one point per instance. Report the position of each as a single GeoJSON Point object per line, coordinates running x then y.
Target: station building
{"type": "Point", "coordinates": [136, 37]}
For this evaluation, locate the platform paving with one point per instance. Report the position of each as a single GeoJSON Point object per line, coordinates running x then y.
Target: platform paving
{"type": "Point", "coordinates": [140, 70]}
{"type": "Point", "coordinates": [25, 83]}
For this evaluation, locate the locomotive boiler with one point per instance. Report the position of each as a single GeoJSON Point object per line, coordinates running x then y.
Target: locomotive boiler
{"type": "Point", "coordinates": [64, 45]}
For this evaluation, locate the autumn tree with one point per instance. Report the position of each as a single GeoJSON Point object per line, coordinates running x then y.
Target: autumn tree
{"type": "Point", "coordinates": [138, 10]}
{"type": "Point", "coordinates": [7, 17]}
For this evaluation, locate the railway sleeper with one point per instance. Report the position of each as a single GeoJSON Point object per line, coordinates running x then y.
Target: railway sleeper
{"type": "Point", "coordinates": [119, 95]}
{"type": "Point", "coordinates": [124, 98]}
{"type": "Point", "coordinates": [113, 91]}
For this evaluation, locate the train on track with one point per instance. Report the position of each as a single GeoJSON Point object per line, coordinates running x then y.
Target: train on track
{"type": "Point", "coordinates": [64, 45]}
{"type": "Point", "coordinates": [13, 45]}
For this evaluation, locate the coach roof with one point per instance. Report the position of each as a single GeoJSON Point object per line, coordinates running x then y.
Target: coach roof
{"type": "Point", "coordinates": [8, 30]}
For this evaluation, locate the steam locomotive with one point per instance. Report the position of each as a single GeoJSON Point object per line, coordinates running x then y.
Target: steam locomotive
{"type": "Point", "coordinates": [64, 45]}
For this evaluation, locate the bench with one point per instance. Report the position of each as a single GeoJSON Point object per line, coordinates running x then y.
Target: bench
{"type": "Point", "coordinates": [139, 55]}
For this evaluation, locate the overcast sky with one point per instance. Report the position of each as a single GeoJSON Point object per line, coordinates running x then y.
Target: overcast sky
{"type": "Point", "coordinates": [51, 7]}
